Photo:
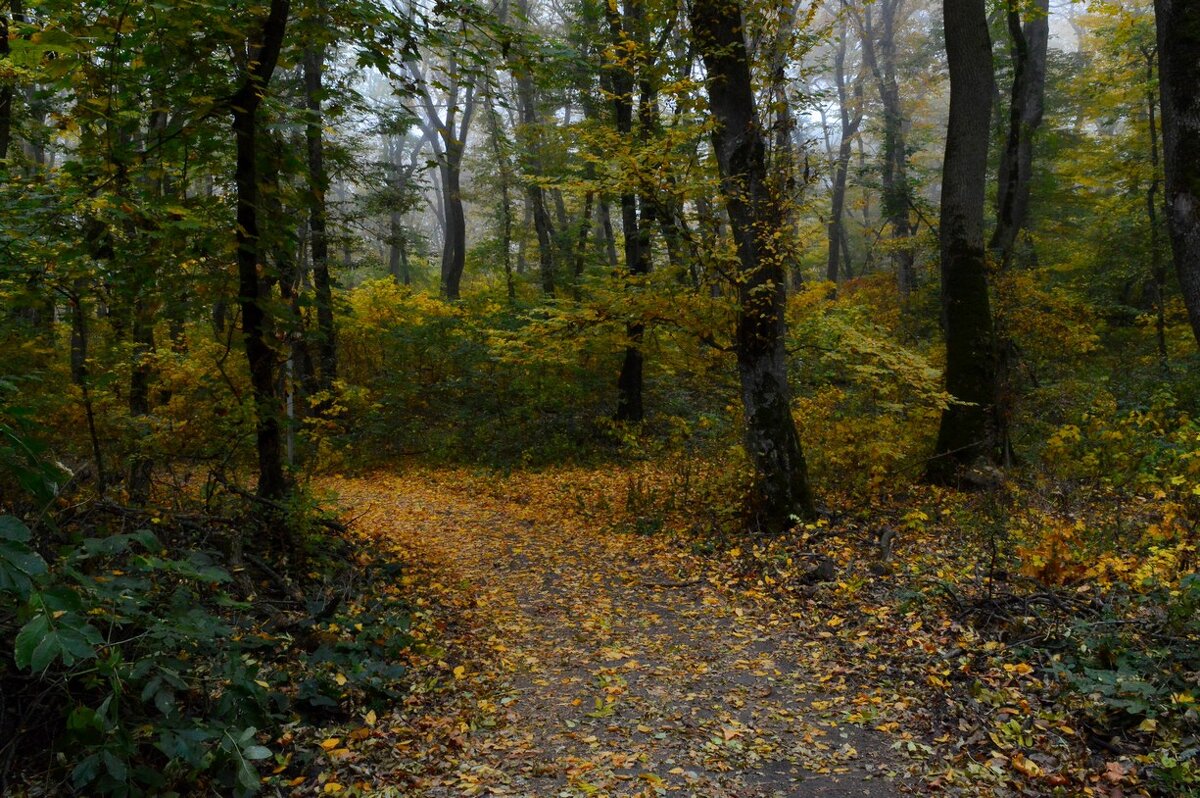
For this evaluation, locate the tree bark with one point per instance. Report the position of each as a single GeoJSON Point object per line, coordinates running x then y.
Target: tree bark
{"type": "Point", "coordinates": [771, 440]}
{"type": "Point", "coordinates": [452, 133]}
{"type": "Point", "coordinates": [531, 137]}
{"type": "Point", "coordinates": [849, 128]}
{"type": "Point", "coordinates": [141, 466]}
{"type": "Point", "coordinates": [80, 375]}
{"type": "Point", "coordinates": [523, 240]}
{"type": "Point", "coordinates": [965, 433]}
{"type": "Point", "coordinates": [637, 252]}
{"type": "Point", "coordinates": [454, 250]}
{"type": "Point", "coordinates": [880, 59]}
{"type": "Point", "coordinates": [610, 240]}
{"type": "Point", "coordinates": [318, 185]}
{"type": "Point", "coordinates": [504, 172]}
{"type": "Point", "coordinates": [6, 99]}
{"type": "Point", "coordinates": [1178, 24]}
{"type": "Point", "coordinates": [585, 227]}
{"type": "Point", "coordinates": [534, 194]}
{"type": "Point", "coordinates": [252, 293]}
{"type": "Point", "coordinates": [1027, 104]}
{"type": "Point", "coordinates": [1158, 270]}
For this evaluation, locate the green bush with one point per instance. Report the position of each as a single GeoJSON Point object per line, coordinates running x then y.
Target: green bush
{"type": "Point", "coordinates": [141, 661]}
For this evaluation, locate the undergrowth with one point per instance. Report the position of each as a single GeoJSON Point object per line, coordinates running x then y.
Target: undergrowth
{"type": "Point", "coordinates": [155, 652]}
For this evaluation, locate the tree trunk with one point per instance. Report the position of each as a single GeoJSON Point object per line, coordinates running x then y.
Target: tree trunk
{"type": "Point", "coordinates": [879, 57]}
{"type": "Point", "coordinates": [1158, 270]}
{"type": "Point", "coordinates": [252, 295]}
{"type": "Point", "coordinates": [504, 171]}
{"type": "Point", "coordinates": [1179, 93]}
{"type": "Point", "coordinates": [454, 252]}
{"type": "Point", "coordinates": [585, 226]}
{"type": "Point", "coordinates": [142, 330]}
{"type": "Point", "coordinates": [610, 240]}
{"type": "Point", "coordinates": [284, 247]}
{"type": "Point", "coordinates": [523, 240]}
{"type": "Point", "coordinates": [534, 194]}
{"type": "Point", "coordinates": [849, 127]}
{"type": "Point", "coordinates": [738, 142]}
{"type": "Point", "coordinates": [6, 99]}
{"type": "Point", "coordinates": [637, 252]}
{"type": "Point", "coordinates": [397, 265]}
{"type": "Point", "coordinates": [781, 159]}
{"type": "Point", "coordinates": [1029, 43]}
{"type": "Point", "coordinates": [965, 432]}
{"type": "Point", "coordinates": [80, 376]}
{"type": "Point", "coordinates": [318, 185]}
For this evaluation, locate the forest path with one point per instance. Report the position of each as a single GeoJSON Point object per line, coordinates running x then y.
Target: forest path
{"type": "Point", "coordinates": [583, 663]}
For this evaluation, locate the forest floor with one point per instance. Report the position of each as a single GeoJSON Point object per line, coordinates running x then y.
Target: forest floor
{"type": "Point", "coordinates": [558, 653]}
{"type": "Point", "coordinates": [562, 659]}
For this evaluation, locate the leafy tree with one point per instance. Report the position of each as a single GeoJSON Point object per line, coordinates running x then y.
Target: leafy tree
{"type": "Point", "coordinates": [771, 439]}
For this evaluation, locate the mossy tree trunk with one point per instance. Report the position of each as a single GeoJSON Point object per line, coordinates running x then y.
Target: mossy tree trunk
{"type": "Point", "coordinates": [771, 440]}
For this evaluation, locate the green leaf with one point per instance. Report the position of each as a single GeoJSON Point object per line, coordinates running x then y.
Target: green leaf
{"type": "Point", "coordinates": [257, 752]}
{"type": "Point", "coordinates": [115, 766]}
{"type": "Point", "coordinates": [19, 564]}
{"type": "Point", "coordinates": [12, 528]}
{"type": "Point", "coordinates": [28, 639]}
{"type": "Point", "coordinates": [86, 771]}
{"type": "Point", "coordinates": [247, 776]}
{"type": "Point", "coordinates": [42, 641]}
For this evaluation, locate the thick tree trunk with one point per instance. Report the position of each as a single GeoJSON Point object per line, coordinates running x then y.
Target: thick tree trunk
{"type": "Point", "coordinates": [318, 185]}
{"type": "Point", "coordinates": [454, 251]}
{"type": "Point", "coordinates": [1027, 103]}
{"type": "Point", "coordinates": [771, 439]}
{"type": "Point", "coordinates": [966, 430]}
{"type": "Point", "coordinates": [1178, 24]}
{"type": "Point", "coordinates": [272, 484]}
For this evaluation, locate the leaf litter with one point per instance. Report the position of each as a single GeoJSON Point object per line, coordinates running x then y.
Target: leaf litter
{"type": "Point", "coordinates": [556, 656]}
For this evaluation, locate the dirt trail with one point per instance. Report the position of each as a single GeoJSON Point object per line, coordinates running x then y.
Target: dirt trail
{"type": "Point", "coordinates": [603, 664]}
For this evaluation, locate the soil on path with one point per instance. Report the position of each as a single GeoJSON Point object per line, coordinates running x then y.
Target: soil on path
{"type": "Point", "coordinates": [587, 663]}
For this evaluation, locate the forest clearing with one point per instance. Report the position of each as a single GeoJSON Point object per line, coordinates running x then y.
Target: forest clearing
{"type": "Point", "coordinates": [599, 398]}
